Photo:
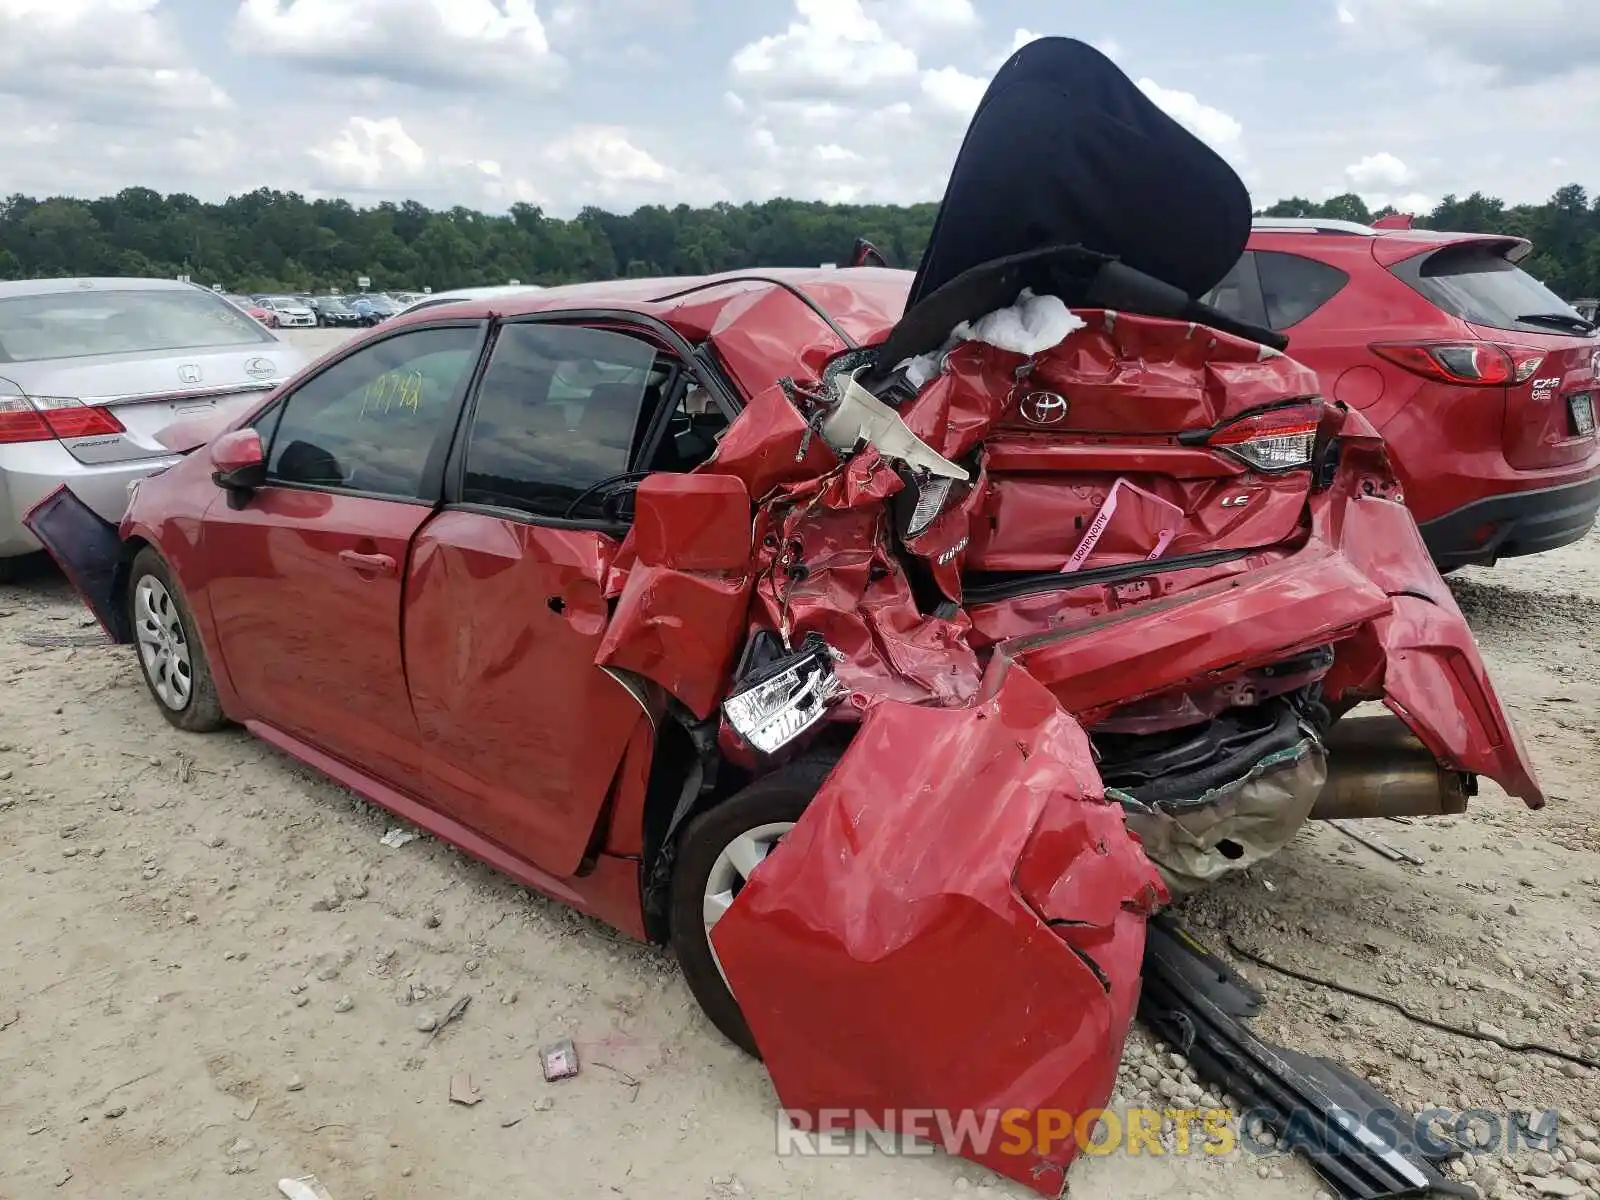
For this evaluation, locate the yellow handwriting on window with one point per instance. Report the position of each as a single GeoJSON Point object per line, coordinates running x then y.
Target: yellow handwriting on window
{"type": "Point", "coordinates": [392, 390]}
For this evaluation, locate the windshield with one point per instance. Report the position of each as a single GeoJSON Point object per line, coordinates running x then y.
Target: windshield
{"type": "Point", "coordinates": [83, 323]}
{"type": "Point", "coordinates": [285, 302]}
{"type": "Point", "coordinates": [1477, 283]}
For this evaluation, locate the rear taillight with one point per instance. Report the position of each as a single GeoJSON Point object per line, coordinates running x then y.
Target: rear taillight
{"type": "Point", "coordinates": [1277, 439]}
{"type": "Point", "coordinates": [1470, 364]}
{"type": "Point", "coordinates": [47, 418]}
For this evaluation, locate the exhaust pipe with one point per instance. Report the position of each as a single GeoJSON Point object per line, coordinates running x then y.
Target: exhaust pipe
{"type": "Point", "coordinates": [1378, 768]}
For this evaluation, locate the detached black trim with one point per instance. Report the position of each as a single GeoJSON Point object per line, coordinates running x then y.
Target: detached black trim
{"type": "Point", "coordinates": [1525, 523]}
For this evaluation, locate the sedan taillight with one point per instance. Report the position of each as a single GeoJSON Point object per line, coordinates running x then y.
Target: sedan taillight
{"type": "Point", "coordinates": [1277, 439]}
{"type": "Point", "coordinates": [48, 418]}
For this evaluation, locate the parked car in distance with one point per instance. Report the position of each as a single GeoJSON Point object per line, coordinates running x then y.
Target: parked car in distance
{"type": "Point", "coordinates": [255, 309]}
{"type": "Point", "coordinates": [472, 293]}
{"type": "Point", "coordinates": [292, 312]}
{"type": "Point", "coordinates": [372, 309]}
{"type": "Point", "coordinates": [333, 313]}
{"type": "Point", "coordinates": [92, 369]}
{"type": "Point", "coordinates": [1482, 381]}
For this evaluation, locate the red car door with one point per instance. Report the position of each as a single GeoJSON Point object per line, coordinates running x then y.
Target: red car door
{"type": "Point", "coordinates": [306, 577]}
{"type": "Point", "coordinates": [505, 607]}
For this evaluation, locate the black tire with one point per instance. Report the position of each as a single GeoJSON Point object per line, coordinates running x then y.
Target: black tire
{"type": "Point", "coordinates": [201, 712]}
{"type": "Point", "coordinates": [780, 796]}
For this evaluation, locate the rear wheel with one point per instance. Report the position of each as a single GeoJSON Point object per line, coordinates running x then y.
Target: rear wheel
{"type": "Point", "coordinates": [171, 657]}
{"type": "Point", "coordinates": [716, 856]}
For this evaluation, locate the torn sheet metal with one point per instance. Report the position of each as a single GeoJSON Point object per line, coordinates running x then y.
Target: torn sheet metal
{"type": "Point", "coordinates": [681, 611]}
{"type": "Point", "coordinates": [1420, 659]}
{"type": "Point", "coordinates": [965, 844]}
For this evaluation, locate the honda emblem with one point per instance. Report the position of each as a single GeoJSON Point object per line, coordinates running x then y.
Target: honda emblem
{"type": "Point", "coordinates": [1044, 408]}
{"type": "Point", "coordinates": [189, 373]}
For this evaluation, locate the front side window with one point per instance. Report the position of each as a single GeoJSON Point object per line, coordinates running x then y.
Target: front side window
{"type": "Point", "coordinates": [92, 321]}
{"type": "Point", "coordinates": [369, 422]}
{"type": "Point", "coordinates": [1293, 287]}
{"type": "Point", "coordinates": [559, 410]}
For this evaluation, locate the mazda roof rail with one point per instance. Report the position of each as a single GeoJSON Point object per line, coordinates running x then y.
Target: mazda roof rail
{"type": "Point", "coordinates": [1310, 225]}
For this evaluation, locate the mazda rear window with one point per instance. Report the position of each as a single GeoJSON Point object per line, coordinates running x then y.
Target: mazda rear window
{"type": "Point", "coordinates": [80, 324]}
{"type": "Point", "coordinates": [1478, 284]}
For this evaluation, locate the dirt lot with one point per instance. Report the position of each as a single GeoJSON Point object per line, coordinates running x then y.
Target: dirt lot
{"type": "Point", "coordinates": [215, 974]}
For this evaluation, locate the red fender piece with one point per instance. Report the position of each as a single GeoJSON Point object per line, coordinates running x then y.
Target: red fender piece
{"type": "Point", "coordinates": [956, 923]}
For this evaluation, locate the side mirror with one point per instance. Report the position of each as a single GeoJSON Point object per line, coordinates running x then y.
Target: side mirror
{"type": "Point", "coordinates": [238, 463]}
{"type": "Point", "coordinates": [693, 522]}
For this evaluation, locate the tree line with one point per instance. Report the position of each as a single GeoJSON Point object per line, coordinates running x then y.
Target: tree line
{"type": "Point", "coordinates": [268, 240]}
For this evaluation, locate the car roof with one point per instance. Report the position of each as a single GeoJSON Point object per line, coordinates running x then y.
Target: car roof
{"type": "Point", "coordinates": [865, 302]}
{"type": "Point", "coordinates": [96, 283]}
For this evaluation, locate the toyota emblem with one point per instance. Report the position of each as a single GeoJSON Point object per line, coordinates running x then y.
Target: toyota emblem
{"type": "Point", "coordinates": [1044, 408]}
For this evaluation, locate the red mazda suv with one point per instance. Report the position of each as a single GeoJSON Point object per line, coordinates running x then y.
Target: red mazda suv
{"type": "Point", "coordinates": [1481, 380]}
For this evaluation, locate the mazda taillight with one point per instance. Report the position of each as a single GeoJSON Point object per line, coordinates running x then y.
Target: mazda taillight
{"type": "Point", "coordinates": [1469, 364]}
{"type": "Point", "coordinates": [47, 418]}
{"type": "Point", "coordinates": [1275, 439]}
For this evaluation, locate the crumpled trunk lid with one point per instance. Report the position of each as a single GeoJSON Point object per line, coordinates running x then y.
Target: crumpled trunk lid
{"type": "Point", "coordinates": [952, 933]}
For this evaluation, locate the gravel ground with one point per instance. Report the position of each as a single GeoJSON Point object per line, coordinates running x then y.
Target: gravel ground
{"type": "Point", "coordinates": [216, 975]}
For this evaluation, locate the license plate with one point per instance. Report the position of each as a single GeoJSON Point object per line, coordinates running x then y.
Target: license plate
{"type": "Point", "coordinates": [1582, 413]}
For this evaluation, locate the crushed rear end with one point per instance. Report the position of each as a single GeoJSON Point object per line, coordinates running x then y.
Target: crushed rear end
{"type": "Point", "coordinates": [1043, 744]}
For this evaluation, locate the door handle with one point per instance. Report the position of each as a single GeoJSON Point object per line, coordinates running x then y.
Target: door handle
{"type": "Point", "coordinates": [379, 564]}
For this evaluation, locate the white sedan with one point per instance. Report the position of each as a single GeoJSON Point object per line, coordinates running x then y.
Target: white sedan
{"type": "Point", "coordinates": [91, 370]}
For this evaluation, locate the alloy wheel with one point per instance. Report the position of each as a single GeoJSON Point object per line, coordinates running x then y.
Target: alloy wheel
{"type": "Point", "coordinates": [163, 648]}
{"type": "Point", "coordinates": [732, 870]}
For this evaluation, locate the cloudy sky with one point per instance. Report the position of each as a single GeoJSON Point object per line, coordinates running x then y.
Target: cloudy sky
{"type": "Point", "coordinates": [626, 102]}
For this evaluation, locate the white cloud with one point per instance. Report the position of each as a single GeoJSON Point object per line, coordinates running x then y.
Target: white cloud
{"type": "Point", "coordinates": [118, 60]}
{"type": "Point", "coordinates": [371, 155]}
{"type": "Point", "coordinates": [1217, 129]}
{"type": "Point", "coordinates": [953, 92]}
{"type": "Point", "coordinates": [833, 49]}
{"type": "Point", "coordinates": [608, 155]}
{"type": "Point", "coordinates": [1381, 172]}
{"type": "Point", "coordinates": [465, 44]}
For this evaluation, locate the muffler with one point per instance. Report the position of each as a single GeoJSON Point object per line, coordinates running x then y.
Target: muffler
{"type": "Point", "coordinates": [1378, 768]}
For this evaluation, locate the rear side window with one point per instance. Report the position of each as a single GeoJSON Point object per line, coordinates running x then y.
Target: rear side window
{"type": "Point", "coordinates": [558, 411]}
{"type": "Point", "coordinates": [91, 321]}
{"type": "Point", "coordinates": [1238, 296]}
{"type": "Point", "coordinates": [1478, 284]}
{"type": "Point", "coordinates": [1292, 287]}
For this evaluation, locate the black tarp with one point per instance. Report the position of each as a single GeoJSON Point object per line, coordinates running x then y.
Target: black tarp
{"type": "Point", "coordinates": [1064, 149]}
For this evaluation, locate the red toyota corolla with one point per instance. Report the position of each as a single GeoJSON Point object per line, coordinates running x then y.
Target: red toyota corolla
{"type": "Point", "coordinates": [890, 647]}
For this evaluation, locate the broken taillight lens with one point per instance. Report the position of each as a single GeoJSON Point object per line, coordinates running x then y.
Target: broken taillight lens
{"type": "Point", "coordinates": [785, 698]}
{"type": "Point", "coordinates": [1276, 439]}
